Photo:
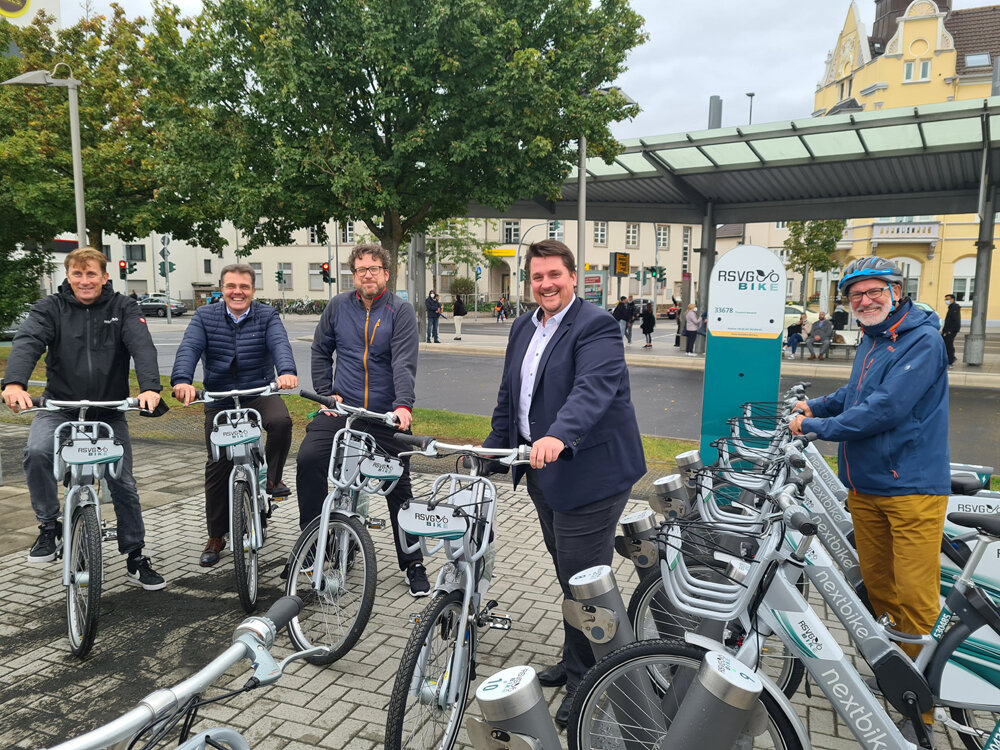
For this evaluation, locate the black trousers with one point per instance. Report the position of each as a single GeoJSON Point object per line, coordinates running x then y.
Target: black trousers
{"type": "Point", "coordinates": [278, 426]}
{"type": "Point", "coordinates": [576, 540]}
{"type": "Point", "coordinates": [314, 461]}
{"type": "Point", "coordinates": [949, 344]}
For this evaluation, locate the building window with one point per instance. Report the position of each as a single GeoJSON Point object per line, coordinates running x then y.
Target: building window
{"type": "Point", "coordinates": [313, 235]}
{"type": "Point", "coordinates": [347, 232]}
{"type": "Point", "coordinates": [685, 249]}
{"type": "Point", "coordinates": [106, 249]}
{"type": "Point", "coordinates": [908, 71]}
{"type": "Point", "coordinates": [963, 280]}
{"type": "Point", "coordinates": [789, 291]}
{"type": "Point", "coordinates": [981, 60]}
{"type": "Point", "coordinates": [346, 277]}
{"type": "Point", "coordinates": [662, 236]}
{"type": "Point", "coordinates": [631, 235]}
{"type": "Point", "coordinates": [925, 70]}
{"type": "Point", "coordinates": [287, 269]}
{"type": "Point", "coordinates": [556, 230]}
{"type": "Point", "coordinates": [258, 275]}
{"type": "Point", "coordinates": [135, 252]}
{"type": "Point", "coordinates": [781, 225]}
{"type": "Point", "coordinates": [601, 233]}
{"type": "Point", "coordinates": [315, 277]}
{"type": "Point", "coordinates": [511, 232]}
{"type": "Point", "coordinates": [208, 266]}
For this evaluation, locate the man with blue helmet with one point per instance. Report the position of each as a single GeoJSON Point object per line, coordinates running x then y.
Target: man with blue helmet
{"type": "Point", "coordinates": [891, 420]}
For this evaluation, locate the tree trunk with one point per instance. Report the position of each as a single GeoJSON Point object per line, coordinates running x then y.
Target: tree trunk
{"type": "Point", "coordinates": [804, 286]}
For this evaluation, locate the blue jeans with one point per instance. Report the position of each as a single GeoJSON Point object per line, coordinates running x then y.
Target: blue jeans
{"type": "Point", "coordinates": [576, 540]}
{"type": "Point", "coordinates": [432, 328]}
{"type": "Point", "coordinates": [44, 490]}
{"type": "Point", "coordinates": [794, 340]}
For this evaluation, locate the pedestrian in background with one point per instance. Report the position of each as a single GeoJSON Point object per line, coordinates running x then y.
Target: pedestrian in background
{"type": "Point", "coordinates": [692, 322]}
{"type": "Point", "coordinates": [621, 314]}
{"type": "Point", "coordinates": [458, 313]}
{"type": "Point", "coordinates": [648, 324]}
{"type": "Point", "coordinates": [952, 325]}
{"type": "Point", "coordinates": [820, 335]}
{"type": "Point", "coordinates": [796, 334]}
{"type": "Point", "coordinates": [433, 306]}
{"type": "Point", "coordinates": [633, 315]}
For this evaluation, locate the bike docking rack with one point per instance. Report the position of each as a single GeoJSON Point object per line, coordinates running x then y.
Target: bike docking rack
{"type": "Point", "coordinates": [515, 716]}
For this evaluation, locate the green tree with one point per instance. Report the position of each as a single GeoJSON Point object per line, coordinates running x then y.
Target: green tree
{"type": "Point", "coordinates": [812, 245]}
{"type": "Point", "coordinates": [463, 286]}
{"type": "Point", "coordinates": [21, 274]}
{"type": "Point", "coordinates": [397, 113]}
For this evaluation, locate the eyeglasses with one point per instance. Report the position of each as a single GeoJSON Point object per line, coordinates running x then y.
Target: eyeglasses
{"type": "Point", "coordinates": [370, 271]}
{"type": "Point", "coordinates": [872, 294]}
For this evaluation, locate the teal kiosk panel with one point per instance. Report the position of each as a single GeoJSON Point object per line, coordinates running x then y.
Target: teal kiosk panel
{"type": "Point", "coordinates": [746, 313]}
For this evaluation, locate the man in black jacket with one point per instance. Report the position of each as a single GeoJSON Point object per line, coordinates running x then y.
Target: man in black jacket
{"type": "Point", "coordinates": [952, 325]}
{"type": "Point", "coordinates": [90, 332]}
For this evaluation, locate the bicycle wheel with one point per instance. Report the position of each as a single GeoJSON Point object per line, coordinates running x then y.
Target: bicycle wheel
{"type": "Point", "coordinates": [605, 713]}
{"type": "Point", "coordinates": [982, 721]}
{"type": "Point", "coordinates": [244, 554]}
{"type": "Point", "coordinates": [419, 716]}
{"type": "Point", "coordinates": [336, 616]}
{"type": "Point", "coordinates": [83, 595]}
{"type": "Point", "coordinates": [654, 617]}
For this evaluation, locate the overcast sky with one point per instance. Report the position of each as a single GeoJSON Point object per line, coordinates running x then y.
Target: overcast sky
{"type": "Point", "coordinates": [696, 48]}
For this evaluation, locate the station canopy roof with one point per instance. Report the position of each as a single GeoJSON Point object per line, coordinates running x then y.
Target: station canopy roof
{"type": "Point", "coordinates": [930, 159]}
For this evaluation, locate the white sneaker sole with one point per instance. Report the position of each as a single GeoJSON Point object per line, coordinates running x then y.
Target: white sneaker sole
{"type": "Point", "coordinates": [147, 586]}
{"type": "Point", "coordinates": [46, 558]}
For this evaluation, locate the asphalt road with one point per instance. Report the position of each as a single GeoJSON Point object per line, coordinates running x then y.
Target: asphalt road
{"type": "Point", "coordinates": [667, 401]}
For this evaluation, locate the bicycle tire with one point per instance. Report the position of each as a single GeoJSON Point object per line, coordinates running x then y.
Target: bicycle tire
{"type": "Point", "coordinates": [417, 721]}
{"type": "Point", "coordinates": [653, 618]}
{"type": "Point", "coordinates": [244, 554]}
{"type": "Point", "coordinates": [594, 724]}
{"type": "Point", "coordinates": [83, 595]}
{"type": "Point", "coordinates": [336, 617]}
{"type": "Point", "coordinates": [983, 725]}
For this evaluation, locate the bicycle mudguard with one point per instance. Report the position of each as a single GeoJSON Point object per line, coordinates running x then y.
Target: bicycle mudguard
{"type": "Point", "coordinates": [769, 687]}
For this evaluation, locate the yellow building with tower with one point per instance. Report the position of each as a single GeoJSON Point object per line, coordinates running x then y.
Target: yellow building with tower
{"type": "Point", "coordinates": [920, 52]}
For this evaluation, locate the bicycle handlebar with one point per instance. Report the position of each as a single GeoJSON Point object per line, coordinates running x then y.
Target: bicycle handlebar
{"type": "Point", "coordinates": [202, 396]}
{"type": "Point", "coordinates": [343, 409]}
{"type": "Point", "coordinates": [41, 403]}
{"type": "Point", "coordinates": [283, 610]}
{"type": "Point", "coordinates": [430, 446]}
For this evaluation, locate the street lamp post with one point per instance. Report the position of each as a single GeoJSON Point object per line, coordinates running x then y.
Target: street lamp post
{"type": "Point", "coordinates": [72, 85]}
{"type": "Point", "coordinates": [751, 95]}
{"type": "Point", "coordinates": [517, 266]}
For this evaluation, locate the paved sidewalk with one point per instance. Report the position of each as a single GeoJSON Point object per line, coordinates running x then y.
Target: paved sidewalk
{"type": "Point", "coordinates": [154, 639]}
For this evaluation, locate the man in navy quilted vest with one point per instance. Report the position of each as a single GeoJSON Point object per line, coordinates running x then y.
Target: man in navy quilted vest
{"type": "Point", "coordinates": [240, 344]}
{"type": "Point", "coordinates": [373, 334]}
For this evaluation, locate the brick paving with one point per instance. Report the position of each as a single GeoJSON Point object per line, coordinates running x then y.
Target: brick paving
{"type": "Point", "coordinates": [154, 639]}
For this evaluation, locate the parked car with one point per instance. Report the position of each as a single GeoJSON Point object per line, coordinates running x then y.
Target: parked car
{"type": "Point", "coordinates": [794, 312]}
{"type": "Point", "coordinates": [156, 304]}
{"type": "Point", "coordinates": [640, 302]}
{"type": "Point", "coordinates": [11, 329]}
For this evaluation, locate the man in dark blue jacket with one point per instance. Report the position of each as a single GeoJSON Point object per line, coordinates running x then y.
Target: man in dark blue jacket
{"type": "Point", "coordinates": [89, 332]}
{"type": "Point", "coordinates": [373, 333]}
{"type": "Point", "coordinates": [565, 391]}
{"type": "Point", "coordinates": [891, 420]}
{"type": "Point", "coordinates": [240, 344]}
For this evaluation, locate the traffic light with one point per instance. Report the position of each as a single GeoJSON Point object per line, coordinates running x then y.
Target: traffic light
{"type": "Point", "coordinates": [521, 275]}
{"type": "Point", "coordinates": [279, 276]}
{"type": "Point", "coordinates": [131, 268]}
{"type": "Point", "coordinates": [326, 273]}
{"type": "Point", "coordinates": [122, 270]}
{"type": "Point", "coordinates": [652, 271]}
{"type": "Point", "coordinates": [165, 267]}
{"type": "Point", "coordinates": [638, 275]}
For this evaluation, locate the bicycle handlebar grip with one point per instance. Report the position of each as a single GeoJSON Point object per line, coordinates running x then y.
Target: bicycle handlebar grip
{"type": "Point", "coordinates": [37, 402]}
{"type": "Point", "coordinates": [798, 519]}
{"type": "Point", "coordinates": [328, 401]}
{"type": "Point", "coordinates": [421, 442]}
{"type": "Point", "coordinates": [283, 610]}
{"type": "Point", "coordinates": [199, 395]}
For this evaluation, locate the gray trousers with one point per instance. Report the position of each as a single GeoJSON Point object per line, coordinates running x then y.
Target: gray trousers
{"type": "Point", "coordinates": [577, 539]}
{"type": "Point", "coordinates": [44, 490]}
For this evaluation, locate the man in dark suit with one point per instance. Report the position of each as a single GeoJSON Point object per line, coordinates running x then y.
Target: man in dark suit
{"type": "Point", "coordinates": [952, 326]}
{"type": "Point", "coordinates": [565, 390]}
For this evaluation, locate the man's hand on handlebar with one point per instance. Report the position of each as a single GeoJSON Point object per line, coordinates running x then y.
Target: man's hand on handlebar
{"type": "Point", "coordinates": [16, 397]}
{"type": "Point", "coordinates": [795, 426]}
{"type": "Point", "coordinates": [287, 382]}
{"type": "Point", "coordinates": [546, 450]}
{"type": "Point", "coordinates": [185, 393]}
{"type": "Point", "coordinates": [149, 400]}
{"type": "Point", "coordinates": [404, 417]}
{"type": "Point", "coordinates": [803, 406]}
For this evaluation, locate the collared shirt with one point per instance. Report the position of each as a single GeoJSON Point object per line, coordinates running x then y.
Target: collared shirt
{"type": "Point", "coordinates": [233, 317]}
{"type": "Point", "coordinates": [530, 364]}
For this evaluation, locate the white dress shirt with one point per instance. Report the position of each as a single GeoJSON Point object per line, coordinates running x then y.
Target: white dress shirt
{"type": "Point", "coordinates": [544, 331]}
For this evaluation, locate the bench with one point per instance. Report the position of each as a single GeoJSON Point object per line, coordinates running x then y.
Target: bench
{"type": "Point", "coordinates": [850, 344]}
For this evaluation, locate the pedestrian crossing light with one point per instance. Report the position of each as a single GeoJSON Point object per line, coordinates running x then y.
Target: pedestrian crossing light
{"type": "Point", "coordinates": [326, 273]}
{"type": "Point", "coordinates": [122, 270]}
{"type": "Point", "coordinates": [279, 276]}
{"type": "Point", "coordinates": [131, 268]}
{"type": "Point", "coordinates": [166, 268]}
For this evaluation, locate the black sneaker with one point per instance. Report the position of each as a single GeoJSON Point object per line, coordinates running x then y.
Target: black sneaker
{"type": "Point", "coordinates": [140, 572]}
{"type": "Point", "coordinates": [416, 579]}
{"type": "Point", "coordinates": [48, 544]}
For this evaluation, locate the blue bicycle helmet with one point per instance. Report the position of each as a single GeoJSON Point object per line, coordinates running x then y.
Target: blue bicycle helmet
{"type": "Point", "coordinates": [870, 267]}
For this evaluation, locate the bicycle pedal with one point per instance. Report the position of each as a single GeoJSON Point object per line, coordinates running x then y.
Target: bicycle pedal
{"type": "Point", "coordinates": [110, 534]}
{"type": "Point", "coordinates": [414, 618]}
{"type": "Point", "coordinates": [375, 523]}
{"type": "Point", "coordinates": [499, 621]}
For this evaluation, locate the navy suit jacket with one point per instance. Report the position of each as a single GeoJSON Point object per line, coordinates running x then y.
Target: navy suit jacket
{"type": "Point", "coordinates": [582, 397]}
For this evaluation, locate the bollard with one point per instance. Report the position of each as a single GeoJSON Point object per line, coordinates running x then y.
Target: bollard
{"type": "Point", "coordinates": [515, 716]}
{"type": "Point", "coordinates": [717, 705]}
{"type": "Point", "coordinates": [597, 609]}
{"type": "Point", "coordinates": [636, 542]}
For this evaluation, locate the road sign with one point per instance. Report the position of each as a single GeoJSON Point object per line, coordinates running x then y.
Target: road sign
{"type": "Point", "coordinates": [620, 264]}
{"type": "Point", "coordinates": [164, 253]}
{"type": "Point", "coordinates": [165, 240]}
